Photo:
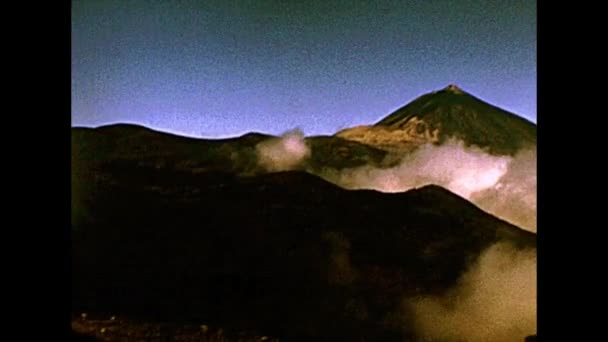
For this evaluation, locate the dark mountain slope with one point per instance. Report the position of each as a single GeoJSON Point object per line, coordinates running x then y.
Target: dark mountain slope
{"type": "Point", "coordinates": [450, 112]}
{"type": "Point", "coordinates": [285, 253]}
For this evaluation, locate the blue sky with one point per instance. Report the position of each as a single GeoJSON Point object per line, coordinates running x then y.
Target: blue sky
{"type": "Point", "coordinates": [222, 68]}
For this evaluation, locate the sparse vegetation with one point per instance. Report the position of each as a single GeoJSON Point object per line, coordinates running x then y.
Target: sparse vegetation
{"type": "Point", "coordinates": [123, 329]}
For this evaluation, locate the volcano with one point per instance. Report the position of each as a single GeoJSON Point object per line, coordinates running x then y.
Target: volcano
{"type": "Point", "coordinates": [448, 113]}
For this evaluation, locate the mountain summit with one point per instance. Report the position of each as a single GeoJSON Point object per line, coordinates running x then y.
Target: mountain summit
{"type": "Point", "coordinates": [448, 113]}
{"type": "Point", "coordinates": [454, 89]}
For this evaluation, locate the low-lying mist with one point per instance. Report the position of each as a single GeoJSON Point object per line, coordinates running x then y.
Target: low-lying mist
{"type": "Point", "coordinates": [504, 186]}
{"type": "Point", "coordinates": [501, 185]}
{"type": "Point", "coordinates": [495, 300]}
{"type": "Point", "coordinates": [513, 197]}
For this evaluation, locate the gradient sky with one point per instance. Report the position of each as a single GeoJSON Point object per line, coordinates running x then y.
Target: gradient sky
{"type": "Point", "coordinates": [222, 68]}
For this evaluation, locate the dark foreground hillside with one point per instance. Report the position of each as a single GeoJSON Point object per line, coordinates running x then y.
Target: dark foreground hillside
{"type": "Point", "coordinates": [285, 254]}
